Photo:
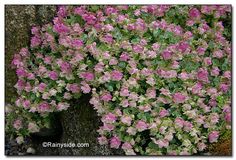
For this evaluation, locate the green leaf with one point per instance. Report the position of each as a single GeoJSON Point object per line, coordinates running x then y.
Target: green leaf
{"type": "Point", "coordinates": [122, 64]}
{"type": "Point", "coordinates": [135, 40]}
{"type": "Point", "coordinates": [110, 88]}
{"type": "Point", "coordinates": [156, 32]}
{"type": "Point", "coordinates": [220, 99]}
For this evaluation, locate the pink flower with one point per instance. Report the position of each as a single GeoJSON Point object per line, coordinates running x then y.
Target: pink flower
{"type": "Point", "coordinates": [20, 85]}
{"type": "Point", "coordinates": [109, 118]}
{"type": "Point", "coordinates": [118, 112]}
{"type": "Point", "coordinates": [214, 118]}
{"type": "Point", "coordinates": [120, 18]}
{"type": "Point", "coordinates": [215, 71]}
{"type": "Point", "coordinates": [224, 87]}
{"type": "Point", "coordinates": [35, 41]}
{"type": "Point", "coordinates": [175, 65]}
{"type": "Point", "coordinates": [194, 13]}
{"type": "Point", "coordinates": [62, 11]}
{"type": "Point", "coordinates": [201, 50]}
{"type": "Point", "coordinates": [212, 102]}
{"type": "Point", "coordinates": [87, 76]}
{"type": "Point", "coordinates": [151, 93]}
{"type": "Point", "coordinates": [17, 61]}
{"type": "Point", "coordinates": [99, 67]}
{"type": "Point", "coordinates": [24, 52]}
{"type": "Point", "coordinates": [67, 96]}
{"type": "Point", "coordinates": [42, 70]}
{"type": "Point", "coordinates": [138, 48]}
{"type": "Point", "coordinates": [131, 131]}
{"type": "Point", "coordinates": [126, 120]}
{"type": "Point", "coordinates": [227, 74]}
{"type": "Point", "coordinates": [202, 75]}
{"type": "Point", "coordinates": [146, 72]}
{"type": "Point", "coordinates": [60, 28]}
{"type": "Point", "coordinates": [190, 22]}
{"type": "Point", "coordinates": [201, 146]}
{"type": "Point", "coordinates": [228, 117]}
{"type": "Point", "coordinates": [74, 88]}
{"type": "Point", "coordinates": [124, 57]}
{"type": "Point", "coordinates": [65, 67]}
{"type": "Point", "coordinates": [126, 146]}
{"type": "Point", "coordinates": [218, 54]}
{"type": "Point", "coordinates": [43, 107]}
{"type": "Point", "coordinates": [167, 74]}
{"type": "Point", "coordinates": [21, 72]}
{"type": "Point", "coordinates": [77, 43]}
{"type": "Point", "coordinates": [26, 104]}
{"type": "Point", "coordinates": [183, 46]}
{"type": "Point", "coordinates": [116, 75]}
{"type": "Point", "coordinates": [163, 113]}
{"type": "Point", "coordinates": [108, 28]}
{"type": "Point", "coordinates": [145, 108]}
{"type": "Point", "coordinates": [108, 38]}
{"type": "Point", "coordinates": [124, 103]}
{"type": "Point", "coordinates": [183, 76]}
{"type": "Point", "coordinates": [53, 75]}
{"type": "Point", "coordinates": [141, 125]}
{"type": "Point", "coordinates": [80, 10]}
{"type": "Point", "coordinates": [124, 92]}
{"type": "Point", "coordinates": [106, 97]}
{"type": "Point", "coordinates": [155, 46]}
{"type": "Point", "coordinates": [85, 87]}
{"type": "Point", "coordinates": [102, 140]}
{"type": "Point", "coordinates": [197, 88]}
{"type": "Point", "coordinates": [179, 122]}
{"type": "Point", "coordinates": [140, 25]}
{"type": "Point", "coordinates": [113, 61]}
{"type": "Point", "coordinates": [42, 87]}
{"type": "Point", "coordinates": [166, 55]}
{"type": "Point", "coordinates": [213, 136]}
{"type": "Point", "coordinates": [115, 142]}
{"type": "Point", "coordinates": [171, 153]}
{"type": "Point", "coordinates": [151, 54]}
{"type": "Point", "coordinates": [188, 126]}
{"type": "Point", "coordinates": [17, 124]}
{"type": "Point", "coordinates": [188, 35]}
{"type": "Point", "coordinates": [110, 10]}
{"type": "Point", "coordinates": [131, 27]}
{"type": "Point", "coordinates": [207, 61]}
{"type": "Point", "coordinates": [31, 76]}
{"type": "Point", "coordinates": [48, 60]}
{"type": "Point", "coordinates": [161, 142]}
{"type": "Point", "coordinates": [28, 87]}
{"type": "Point", "coordinates": [108, 127]}
{"type": "Point", "coordinates": [179, 97]}
{"type": "Point", "coordinates": [62, 106]}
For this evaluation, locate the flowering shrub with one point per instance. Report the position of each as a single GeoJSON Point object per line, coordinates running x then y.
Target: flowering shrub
{"type": "Point", "coordinates": [159, 75]}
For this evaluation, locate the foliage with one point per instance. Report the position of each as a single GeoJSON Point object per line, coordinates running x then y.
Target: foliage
{"type": "Point", "coordinates": [160, 75]}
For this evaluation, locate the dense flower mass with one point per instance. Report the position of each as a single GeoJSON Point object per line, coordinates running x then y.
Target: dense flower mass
{"type": "Point", "coordinates": [159, 75]}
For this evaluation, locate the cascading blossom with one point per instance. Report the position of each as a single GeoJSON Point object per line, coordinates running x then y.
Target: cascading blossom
{"type": "Point", "coordinates": [161, 84]}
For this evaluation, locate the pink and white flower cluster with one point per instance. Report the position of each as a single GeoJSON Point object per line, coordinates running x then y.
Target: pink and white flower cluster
{"type": "Point", "coordinates": [161, 85]}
